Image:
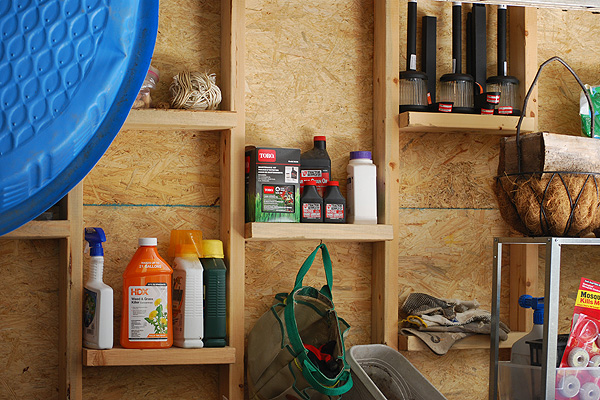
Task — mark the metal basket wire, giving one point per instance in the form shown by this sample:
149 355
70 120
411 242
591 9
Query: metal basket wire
549 203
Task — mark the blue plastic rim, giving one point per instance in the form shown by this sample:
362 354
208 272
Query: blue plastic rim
69 73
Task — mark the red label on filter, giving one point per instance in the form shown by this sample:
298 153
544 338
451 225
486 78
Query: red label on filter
267 155
505 110
269 189
334 211
311 210
493 98
445 107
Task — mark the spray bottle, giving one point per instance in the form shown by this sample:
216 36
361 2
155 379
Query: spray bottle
97 297
520 353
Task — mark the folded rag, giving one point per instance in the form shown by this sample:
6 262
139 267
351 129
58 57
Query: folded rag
442 322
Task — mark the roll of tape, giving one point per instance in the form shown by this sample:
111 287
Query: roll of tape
569 385
578 357
589 391
594 365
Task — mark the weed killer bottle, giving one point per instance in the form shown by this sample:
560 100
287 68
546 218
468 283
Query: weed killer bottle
315 165
188 302
362 188
146 319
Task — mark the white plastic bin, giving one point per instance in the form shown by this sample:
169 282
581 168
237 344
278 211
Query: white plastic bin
381 373
524 382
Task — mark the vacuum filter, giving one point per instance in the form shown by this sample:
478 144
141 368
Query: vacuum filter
413 84
508 86
457 88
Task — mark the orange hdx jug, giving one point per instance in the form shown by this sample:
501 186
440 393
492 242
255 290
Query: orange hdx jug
146 318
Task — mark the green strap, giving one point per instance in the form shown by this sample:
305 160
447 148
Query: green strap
326 290
308 370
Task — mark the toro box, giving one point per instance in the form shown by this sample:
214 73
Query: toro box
272 184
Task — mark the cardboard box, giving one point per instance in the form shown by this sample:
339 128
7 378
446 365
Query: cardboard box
272 184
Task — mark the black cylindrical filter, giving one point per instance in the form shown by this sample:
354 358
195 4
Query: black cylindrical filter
457 88
413 85
508 86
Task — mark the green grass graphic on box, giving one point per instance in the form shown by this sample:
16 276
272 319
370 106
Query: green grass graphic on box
257 214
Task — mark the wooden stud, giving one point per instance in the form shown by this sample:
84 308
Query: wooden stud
70 283
523 272
41 230
386 102
233 27
523 54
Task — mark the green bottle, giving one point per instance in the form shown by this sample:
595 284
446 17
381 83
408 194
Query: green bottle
215 302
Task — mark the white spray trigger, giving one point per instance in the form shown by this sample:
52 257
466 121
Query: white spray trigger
86 249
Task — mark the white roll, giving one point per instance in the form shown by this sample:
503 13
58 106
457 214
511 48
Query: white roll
589 391
594 365
569 385
578 357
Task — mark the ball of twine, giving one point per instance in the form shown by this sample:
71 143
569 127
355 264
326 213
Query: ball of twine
195 91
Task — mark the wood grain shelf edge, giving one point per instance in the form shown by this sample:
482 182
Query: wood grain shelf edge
173 120
56 229
413 343
119 356
262 231
463 123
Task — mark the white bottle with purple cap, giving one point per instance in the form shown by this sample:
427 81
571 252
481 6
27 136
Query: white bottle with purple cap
362 188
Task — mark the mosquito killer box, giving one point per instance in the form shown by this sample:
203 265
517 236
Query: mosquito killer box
272 184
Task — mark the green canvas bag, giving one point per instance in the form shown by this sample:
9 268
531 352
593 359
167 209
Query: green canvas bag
279 367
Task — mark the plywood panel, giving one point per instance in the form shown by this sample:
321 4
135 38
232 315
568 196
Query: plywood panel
271 268
309 72
188 39
565 34
29 314
157 167
447 170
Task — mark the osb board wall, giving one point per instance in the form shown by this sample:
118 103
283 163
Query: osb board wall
449 212
309 72
148 183
29 314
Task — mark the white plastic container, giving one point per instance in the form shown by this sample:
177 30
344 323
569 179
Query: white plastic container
188 317
362 189
97 297
520 351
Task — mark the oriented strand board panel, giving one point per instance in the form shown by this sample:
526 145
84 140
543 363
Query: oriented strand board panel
447 171
29 313
309 72
157 167
565 34
271 268
448 254
188 39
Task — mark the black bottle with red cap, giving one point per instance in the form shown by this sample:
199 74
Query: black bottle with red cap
315 164
311 203
334 204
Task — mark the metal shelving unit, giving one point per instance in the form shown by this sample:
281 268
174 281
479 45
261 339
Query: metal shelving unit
551 290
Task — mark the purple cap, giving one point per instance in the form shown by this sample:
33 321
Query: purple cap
360 154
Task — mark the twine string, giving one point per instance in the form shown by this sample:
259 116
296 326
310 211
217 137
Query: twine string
195 91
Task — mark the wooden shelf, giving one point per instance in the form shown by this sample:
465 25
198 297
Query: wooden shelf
413 343
119 356
41 230
261 231
463 123
177 120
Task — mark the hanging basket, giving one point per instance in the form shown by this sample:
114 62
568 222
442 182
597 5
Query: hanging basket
548 192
